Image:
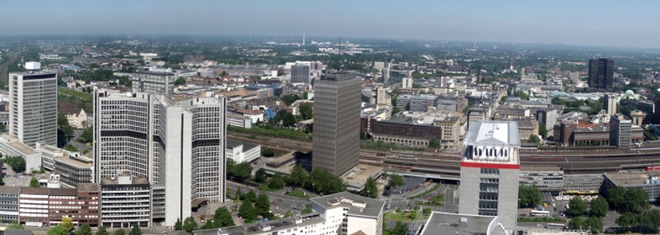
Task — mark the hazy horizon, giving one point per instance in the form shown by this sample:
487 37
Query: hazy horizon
583 23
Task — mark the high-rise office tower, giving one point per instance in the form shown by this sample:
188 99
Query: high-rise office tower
177 148
601 73
489 171
300 73
158 82
336 123
610 104
620 131
33 106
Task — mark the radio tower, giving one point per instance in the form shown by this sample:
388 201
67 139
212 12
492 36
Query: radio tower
303 39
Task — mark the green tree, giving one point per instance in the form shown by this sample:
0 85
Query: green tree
267 152
119 232
34 182
617 198
260 176
434 143
599 207
529 196
595 224
84 230
577 223
542 130
577 207
627 220
251 196
289 99
242 171
298 176
15 225
102 231
239 195
87 136
323 182
288 214
180 81
247 211
637 200
307 210
534 139
189 224
17 163
521 95
399 229
427 211
370 188
63 123
395 110
178 226
223 217
136 229
262 205
277 182
70 148
395 180
67 222
650 218
59 230
306 111
230 165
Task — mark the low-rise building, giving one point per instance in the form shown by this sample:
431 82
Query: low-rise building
9 146
48 155
47 206
238 120
125 201
9 204
242 151
450 223
348 213
402 133
649 181
341 213
77 120
74 169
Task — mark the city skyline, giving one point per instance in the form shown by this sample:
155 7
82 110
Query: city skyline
574 23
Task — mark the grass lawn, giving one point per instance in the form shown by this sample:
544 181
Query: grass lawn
264 187
298 193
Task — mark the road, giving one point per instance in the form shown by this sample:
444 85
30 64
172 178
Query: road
280 203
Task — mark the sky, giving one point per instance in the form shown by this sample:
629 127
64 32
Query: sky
584 22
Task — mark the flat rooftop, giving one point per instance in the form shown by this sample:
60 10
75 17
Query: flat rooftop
73 162
134 180
338 77
22 148
631 177
359 205
493 133
154 73
358 176
440 223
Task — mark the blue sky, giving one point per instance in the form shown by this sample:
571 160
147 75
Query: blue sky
588 22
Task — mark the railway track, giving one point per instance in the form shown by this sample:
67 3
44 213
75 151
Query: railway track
449 163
